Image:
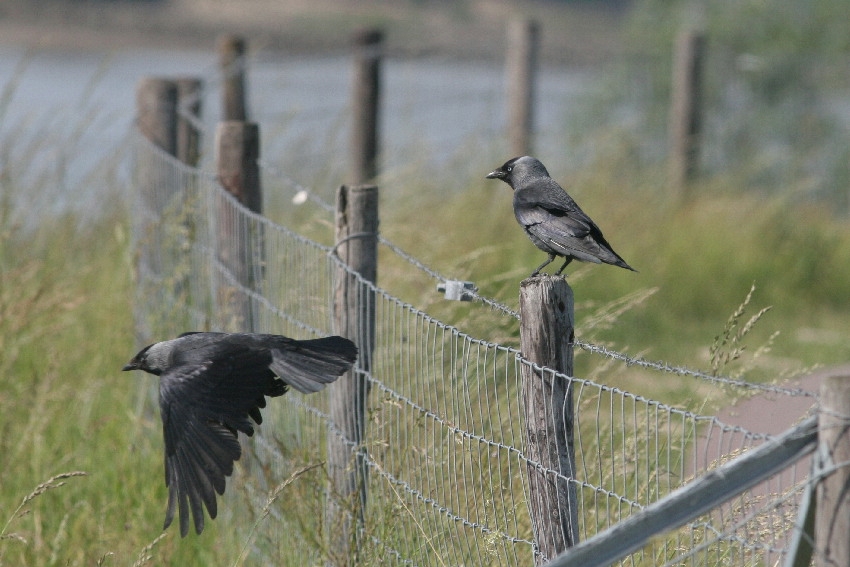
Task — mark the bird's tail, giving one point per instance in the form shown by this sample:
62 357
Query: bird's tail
308 366
607 254
622 263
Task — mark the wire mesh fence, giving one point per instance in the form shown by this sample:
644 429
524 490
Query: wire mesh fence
444 445
446 468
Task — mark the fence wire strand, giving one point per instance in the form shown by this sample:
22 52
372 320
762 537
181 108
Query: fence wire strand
444 441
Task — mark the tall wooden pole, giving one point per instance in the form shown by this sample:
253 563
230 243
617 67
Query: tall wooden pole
156 120
832 520
239 242
523 47
189 92
156 112
685 121
366 95
546 336
231 56
237 152
354 318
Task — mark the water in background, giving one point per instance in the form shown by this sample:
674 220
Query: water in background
64 115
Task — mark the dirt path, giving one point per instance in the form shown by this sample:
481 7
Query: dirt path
764 413
774 413
770 414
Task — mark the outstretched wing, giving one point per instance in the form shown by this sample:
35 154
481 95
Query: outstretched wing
203 406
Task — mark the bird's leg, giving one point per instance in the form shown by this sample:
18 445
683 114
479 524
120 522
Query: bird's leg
543 265
566 261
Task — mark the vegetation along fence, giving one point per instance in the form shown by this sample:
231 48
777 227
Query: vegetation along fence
443 448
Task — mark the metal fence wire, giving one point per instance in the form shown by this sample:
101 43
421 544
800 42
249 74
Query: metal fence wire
444 446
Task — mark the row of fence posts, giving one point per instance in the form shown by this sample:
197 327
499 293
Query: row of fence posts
546 303
521 69
167 112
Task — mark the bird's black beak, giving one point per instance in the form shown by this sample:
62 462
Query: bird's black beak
129 366
497 174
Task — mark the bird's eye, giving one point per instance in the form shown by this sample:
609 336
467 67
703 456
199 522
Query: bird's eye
508 169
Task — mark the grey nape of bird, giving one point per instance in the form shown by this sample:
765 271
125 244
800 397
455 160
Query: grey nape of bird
210 385
551 219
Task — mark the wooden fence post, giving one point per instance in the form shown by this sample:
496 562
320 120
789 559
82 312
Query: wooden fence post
523 46
156 120
189 91
239 242
546 336
354 317
156 112
685 120
231 57
366 96
832 520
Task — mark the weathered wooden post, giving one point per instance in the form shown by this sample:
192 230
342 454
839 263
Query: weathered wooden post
832 520
156 120
523 47
546 336
239 242
231 57
189 91
685 119
354 317
365 106
156 112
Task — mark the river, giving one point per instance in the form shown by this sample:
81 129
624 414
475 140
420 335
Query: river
63 114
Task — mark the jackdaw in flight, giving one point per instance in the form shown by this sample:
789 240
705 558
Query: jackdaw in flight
550 217
210 384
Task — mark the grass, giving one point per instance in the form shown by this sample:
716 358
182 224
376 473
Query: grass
698 259
64 303
697 262
66 329
53 482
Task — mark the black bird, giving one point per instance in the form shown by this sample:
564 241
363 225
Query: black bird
553 221
210 384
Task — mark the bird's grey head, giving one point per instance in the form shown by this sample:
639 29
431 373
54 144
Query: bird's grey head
518 170
153 359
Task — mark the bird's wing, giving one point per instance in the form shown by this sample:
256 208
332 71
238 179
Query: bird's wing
552 217
203 405
545 203
308 366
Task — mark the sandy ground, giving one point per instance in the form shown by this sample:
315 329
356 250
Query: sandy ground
765 413
774 413
771 414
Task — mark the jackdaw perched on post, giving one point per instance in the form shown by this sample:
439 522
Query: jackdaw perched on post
210 384
550 217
